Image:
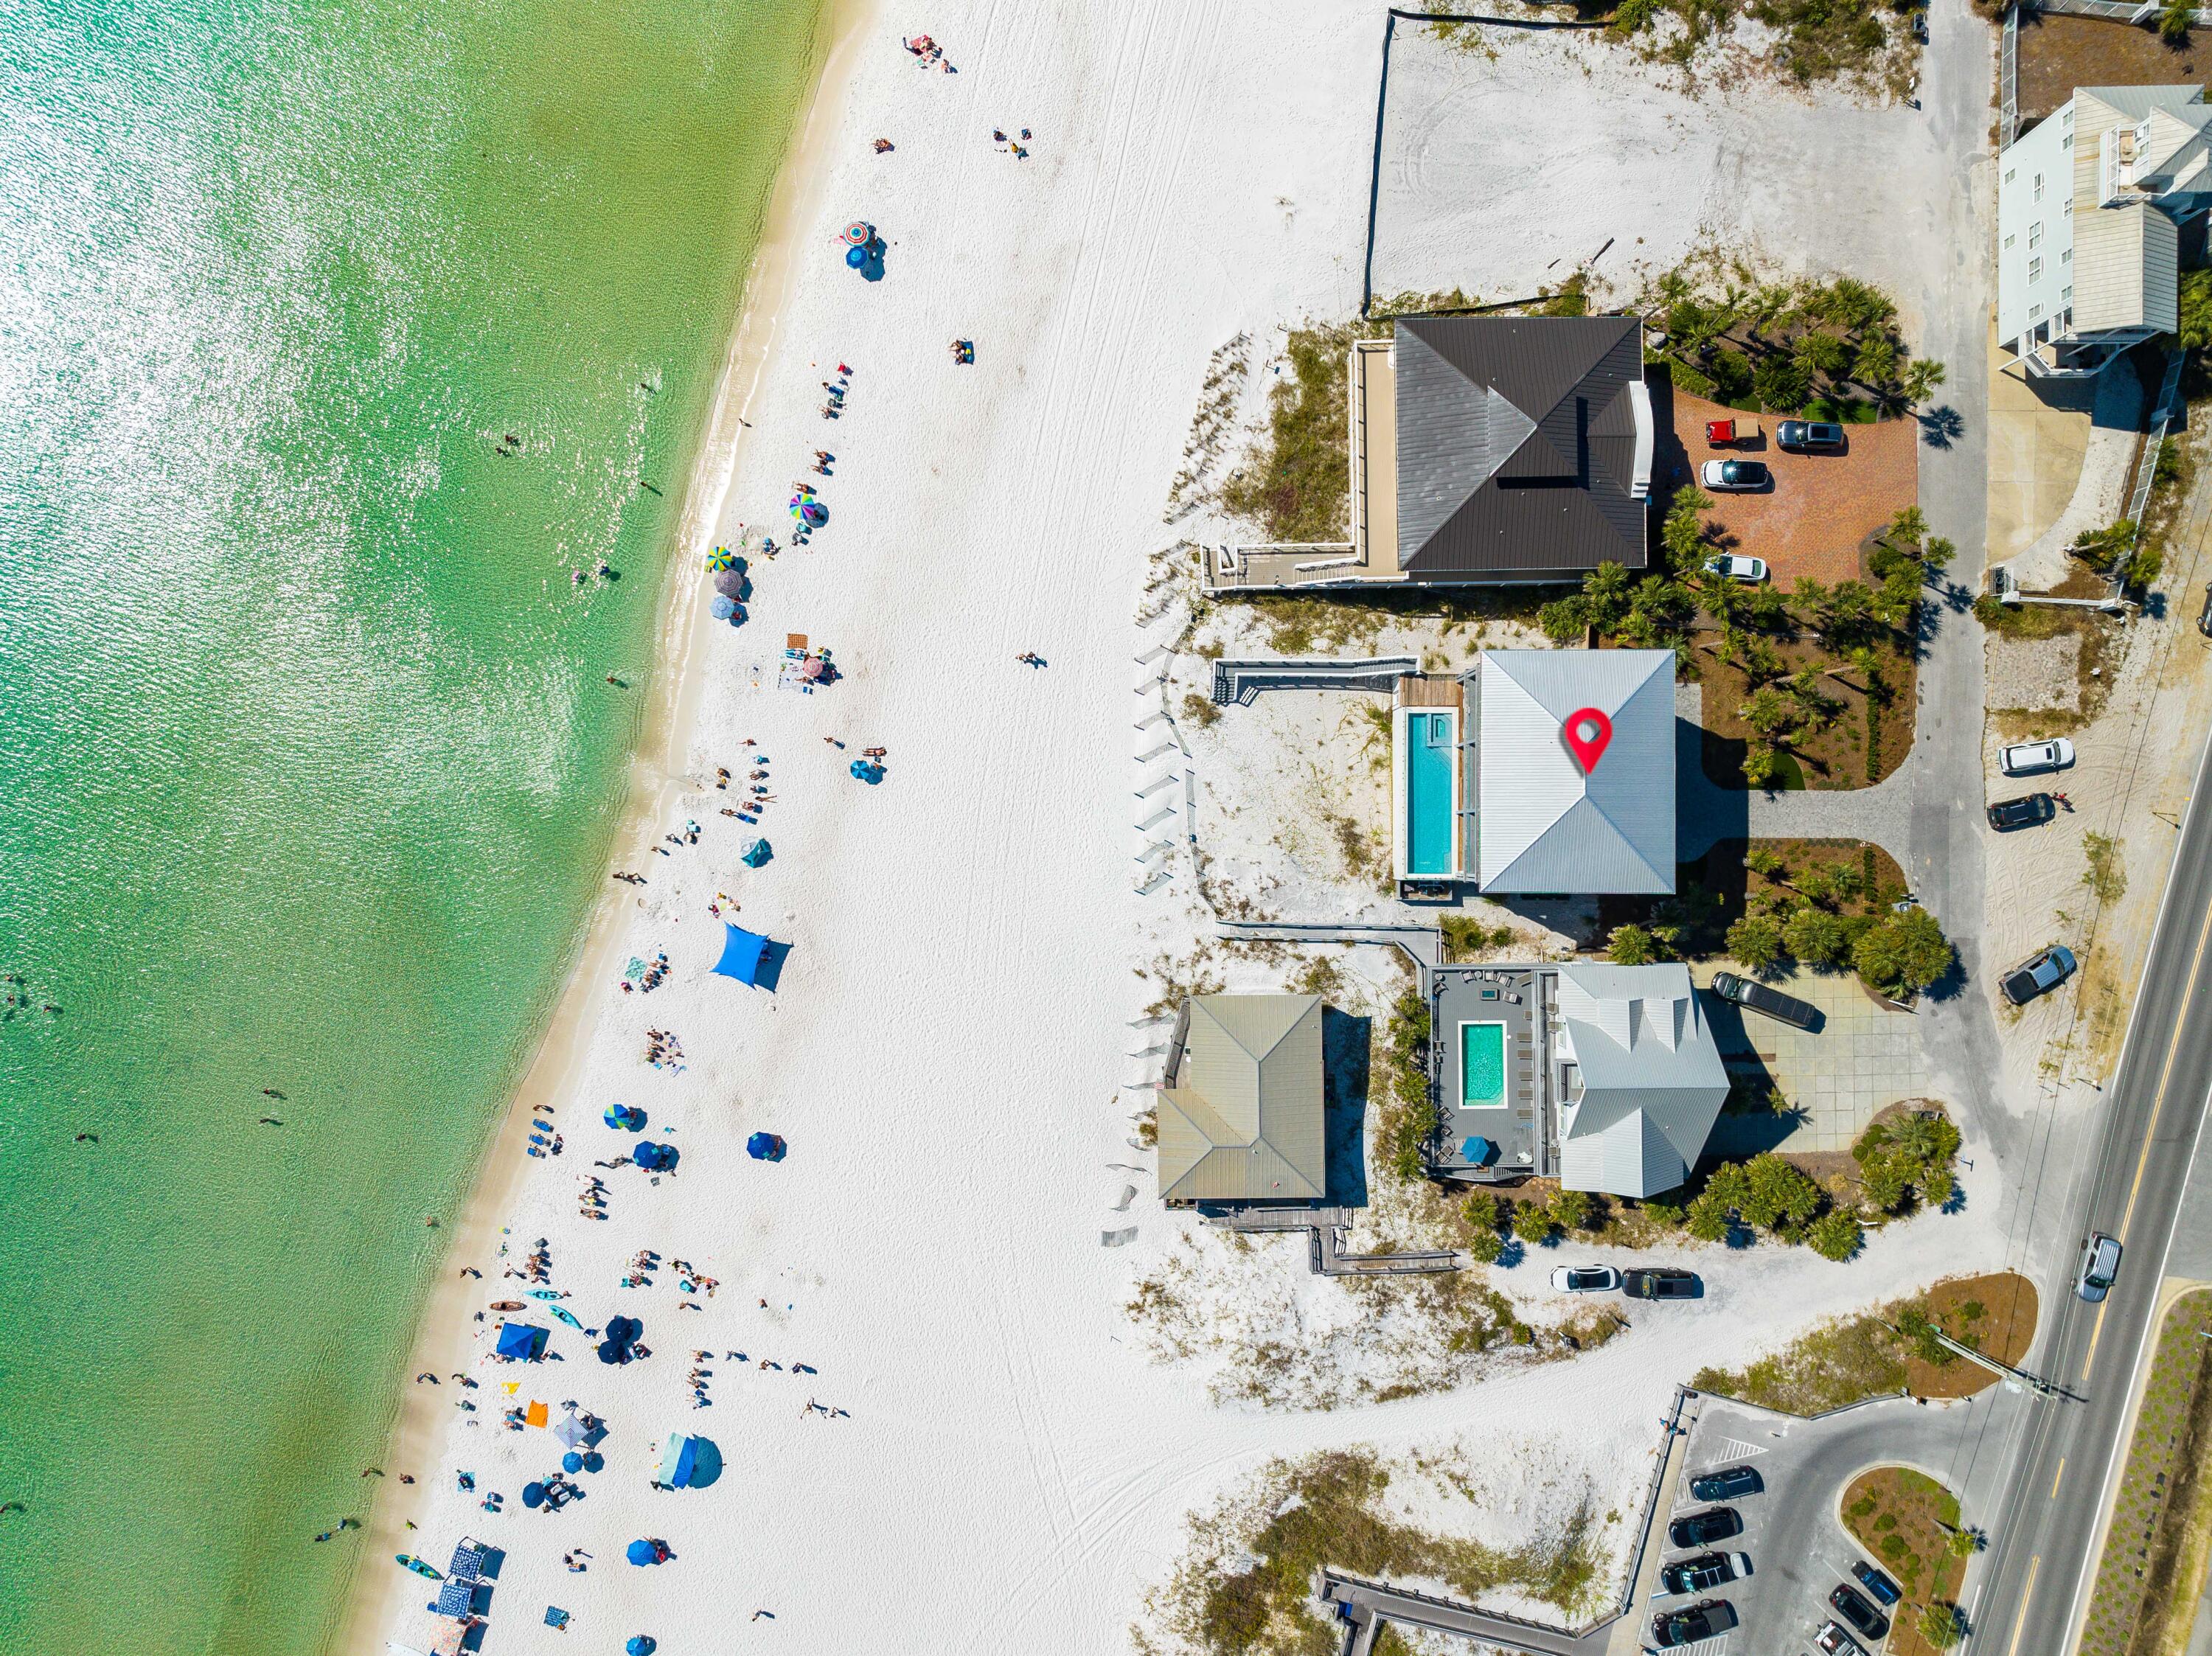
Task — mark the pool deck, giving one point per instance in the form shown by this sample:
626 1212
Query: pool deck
1516 1125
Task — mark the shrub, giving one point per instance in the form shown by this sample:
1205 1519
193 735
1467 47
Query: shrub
1630 945
1777 1193
1835 1235
1817 937
1708 1218
1941 1626
1756 941
1572 1209
1901 955
1781 383
1532 1222
1731 373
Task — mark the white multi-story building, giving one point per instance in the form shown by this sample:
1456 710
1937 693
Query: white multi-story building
2090 206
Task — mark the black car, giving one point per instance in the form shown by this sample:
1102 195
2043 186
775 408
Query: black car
1758 997
1871 1622
1687 1627
1726 1484
1814 435
2029 811
1664 1283
1883 1589
1707 1569
1703 1529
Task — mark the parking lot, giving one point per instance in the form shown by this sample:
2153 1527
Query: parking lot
1821 506
1792 1529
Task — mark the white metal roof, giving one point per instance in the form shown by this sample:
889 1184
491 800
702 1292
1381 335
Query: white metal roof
1541 825
1651 1077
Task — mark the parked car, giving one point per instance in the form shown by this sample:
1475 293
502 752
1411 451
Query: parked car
1733 566
1726 1484
2038 976
2100 1266
1701 1620
2204 616
2029 811
1707 1569
1835 1641
1880 1586
1736 477
2026 758
1814 435
1703 1529
1758 997
1664 1283
1871 1622
1585 1279
1920 25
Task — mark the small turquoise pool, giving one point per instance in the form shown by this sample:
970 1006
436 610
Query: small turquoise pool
1432 741
1481 1065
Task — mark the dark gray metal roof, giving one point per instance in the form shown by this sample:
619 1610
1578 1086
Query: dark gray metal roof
1517 445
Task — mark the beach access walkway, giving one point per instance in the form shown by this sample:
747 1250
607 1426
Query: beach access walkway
1326 1229
1424 944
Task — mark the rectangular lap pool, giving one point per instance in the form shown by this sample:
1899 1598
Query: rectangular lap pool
1481 1066
1431 745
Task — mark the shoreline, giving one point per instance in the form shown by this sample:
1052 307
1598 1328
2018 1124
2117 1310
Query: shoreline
441 1338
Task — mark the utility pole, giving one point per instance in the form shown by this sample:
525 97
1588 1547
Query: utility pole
2016 1378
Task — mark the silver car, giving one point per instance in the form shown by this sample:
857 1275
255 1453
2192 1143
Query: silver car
2100 1267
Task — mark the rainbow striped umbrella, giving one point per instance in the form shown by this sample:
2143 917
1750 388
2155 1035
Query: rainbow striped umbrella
721 558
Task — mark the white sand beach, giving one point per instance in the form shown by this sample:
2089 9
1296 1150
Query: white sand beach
1001 1465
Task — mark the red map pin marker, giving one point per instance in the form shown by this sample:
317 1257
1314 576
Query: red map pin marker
1587 732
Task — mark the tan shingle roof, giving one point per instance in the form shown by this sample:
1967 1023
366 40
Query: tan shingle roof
1244 1120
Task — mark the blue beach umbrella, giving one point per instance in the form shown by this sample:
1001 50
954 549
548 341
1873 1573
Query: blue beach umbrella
723 607
764 1147
639 1552
640 1644
594 1461
571 1462
534 1495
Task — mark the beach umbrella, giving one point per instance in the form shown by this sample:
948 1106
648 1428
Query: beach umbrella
640 1644
628 1117
764 1147
859 235
594 1461
1475 1151
639 1552
571 1462
730 584
756 853
721 558
534 1495
722 607
856 256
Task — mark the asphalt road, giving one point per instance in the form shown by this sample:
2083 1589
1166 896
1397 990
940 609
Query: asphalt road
2045 1527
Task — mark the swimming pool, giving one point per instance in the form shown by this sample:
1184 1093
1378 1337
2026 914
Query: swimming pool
1432 743
1481 1065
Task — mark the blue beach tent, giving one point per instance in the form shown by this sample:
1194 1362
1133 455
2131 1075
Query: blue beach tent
525 1341
741 954
754 855
675 1462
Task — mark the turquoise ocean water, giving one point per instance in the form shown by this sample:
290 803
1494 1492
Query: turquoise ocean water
307 762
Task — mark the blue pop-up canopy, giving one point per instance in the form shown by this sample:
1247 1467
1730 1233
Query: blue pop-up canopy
523 1340
741 954
456 1599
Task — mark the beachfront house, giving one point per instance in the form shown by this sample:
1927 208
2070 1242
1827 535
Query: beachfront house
1536 773
1485 450
2093 204
1605 1077
1240 1115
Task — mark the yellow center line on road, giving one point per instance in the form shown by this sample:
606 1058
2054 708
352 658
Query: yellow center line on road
2157 1105
2018 1626
2055 1476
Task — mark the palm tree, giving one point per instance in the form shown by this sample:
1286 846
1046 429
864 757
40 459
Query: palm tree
1921 377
